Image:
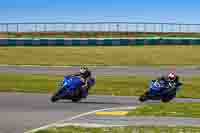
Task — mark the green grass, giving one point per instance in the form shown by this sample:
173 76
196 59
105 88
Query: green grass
128 55
168 109
108 85
129 129
105 85
14 82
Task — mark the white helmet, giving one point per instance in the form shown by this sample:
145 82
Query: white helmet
83 69
171 76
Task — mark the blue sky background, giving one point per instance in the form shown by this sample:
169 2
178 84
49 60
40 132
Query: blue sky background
180 11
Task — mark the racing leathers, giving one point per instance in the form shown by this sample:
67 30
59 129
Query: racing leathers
84 77
168 85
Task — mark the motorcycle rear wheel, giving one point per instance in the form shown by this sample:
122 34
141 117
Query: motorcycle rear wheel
77 97
168 98
75 100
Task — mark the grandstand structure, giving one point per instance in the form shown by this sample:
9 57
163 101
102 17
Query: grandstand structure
97 29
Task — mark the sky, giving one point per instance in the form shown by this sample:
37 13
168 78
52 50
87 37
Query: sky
175 11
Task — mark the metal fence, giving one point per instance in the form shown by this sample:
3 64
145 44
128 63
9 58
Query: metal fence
99 27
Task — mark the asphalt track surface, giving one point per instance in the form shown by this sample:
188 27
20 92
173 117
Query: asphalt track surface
21 112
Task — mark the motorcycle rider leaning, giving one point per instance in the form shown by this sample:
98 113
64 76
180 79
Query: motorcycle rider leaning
85 74
164 88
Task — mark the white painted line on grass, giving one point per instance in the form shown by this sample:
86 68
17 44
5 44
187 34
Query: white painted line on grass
78 116
88 125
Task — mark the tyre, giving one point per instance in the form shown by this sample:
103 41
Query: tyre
54 98
75 100
77 97
168 98
143 98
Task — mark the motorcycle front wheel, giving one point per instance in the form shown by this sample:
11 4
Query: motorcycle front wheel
54 98
143 98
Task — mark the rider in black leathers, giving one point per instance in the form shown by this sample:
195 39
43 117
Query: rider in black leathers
171 81
85 74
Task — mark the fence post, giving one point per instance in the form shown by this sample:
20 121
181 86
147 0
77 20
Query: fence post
180 30
7 28
35 28
45 27
154 27
136 27
17 27
145 28
188 28
109 28
65 28
162 27
117 27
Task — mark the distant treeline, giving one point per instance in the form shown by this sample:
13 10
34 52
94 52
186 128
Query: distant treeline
94 34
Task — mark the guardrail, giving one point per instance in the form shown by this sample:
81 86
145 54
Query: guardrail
98 41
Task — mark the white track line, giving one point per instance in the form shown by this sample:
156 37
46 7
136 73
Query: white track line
78 116
92 66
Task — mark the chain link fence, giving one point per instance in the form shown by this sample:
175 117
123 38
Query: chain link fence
99 27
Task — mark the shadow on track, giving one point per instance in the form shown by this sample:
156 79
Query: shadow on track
98 103
85 102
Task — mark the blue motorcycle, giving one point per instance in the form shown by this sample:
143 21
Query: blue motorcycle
71 89
160 91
